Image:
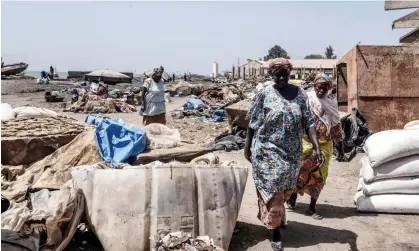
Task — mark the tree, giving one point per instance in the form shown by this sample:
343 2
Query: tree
329 53
314 56
276 52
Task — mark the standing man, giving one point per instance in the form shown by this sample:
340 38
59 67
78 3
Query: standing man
190 77
184 76
51 71
173 77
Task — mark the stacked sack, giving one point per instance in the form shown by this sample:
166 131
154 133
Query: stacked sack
389 181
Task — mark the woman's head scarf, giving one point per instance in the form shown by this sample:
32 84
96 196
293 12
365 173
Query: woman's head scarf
278 64
322 79
157 72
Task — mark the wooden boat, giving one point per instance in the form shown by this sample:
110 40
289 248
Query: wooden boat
13 69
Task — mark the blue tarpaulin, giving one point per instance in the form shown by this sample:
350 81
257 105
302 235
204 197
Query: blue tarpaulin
116 141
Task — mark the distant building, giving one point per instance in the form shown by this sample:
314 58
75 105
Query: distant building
301 68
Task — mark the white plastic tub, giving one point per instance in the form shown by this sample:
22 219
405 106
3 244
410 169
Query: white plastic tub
126 207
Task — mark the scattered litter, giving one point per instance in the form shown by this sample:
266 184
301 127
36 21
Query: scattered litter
53 97
222 96
184 241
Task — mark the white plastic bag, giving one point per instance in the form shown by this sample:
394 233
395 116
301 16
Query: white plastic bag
388 203
7 112
403 185
392 144
160 136
404 167
33 112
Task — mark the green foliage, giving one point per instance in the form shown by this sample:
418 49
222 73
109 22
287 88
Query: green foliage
330 53
276 52
314 56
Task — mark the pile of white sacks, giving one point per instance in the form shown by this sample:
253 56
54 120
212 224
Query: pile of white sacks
389 181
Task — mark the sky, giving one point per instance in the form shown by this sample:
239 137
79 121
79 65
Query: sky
184 36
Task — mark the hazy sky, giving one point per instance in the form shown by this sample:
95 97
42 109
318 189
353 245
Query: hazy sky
184 35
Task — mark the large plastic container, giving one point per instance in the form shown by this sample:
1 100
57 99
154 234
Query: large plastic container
126 207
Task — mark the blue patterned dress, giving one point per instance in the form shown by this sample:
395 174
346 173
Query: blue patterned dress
277 145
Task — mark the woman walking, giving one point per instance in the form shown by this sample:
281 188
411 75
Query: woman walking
312 177
277 115
154 107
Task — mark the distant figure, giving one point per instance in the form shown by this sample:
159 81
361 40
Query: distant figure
173 77
184 76
190 77
51 71
154 107
2 63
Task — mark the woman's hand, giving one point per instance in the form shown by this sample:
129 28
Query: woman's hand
247 153
317 154
249 138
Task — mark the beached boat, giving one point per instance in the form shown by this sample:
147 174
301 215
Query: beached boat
13 69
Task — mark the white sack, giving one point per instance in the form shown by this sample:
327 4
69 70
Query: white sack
160 136
7 112
360 184
403 167
392 144
388 203
412 124
404 185
33 112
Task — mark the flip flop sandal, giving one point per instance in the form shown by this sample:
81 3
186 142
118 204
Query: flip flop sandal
277 246
314 215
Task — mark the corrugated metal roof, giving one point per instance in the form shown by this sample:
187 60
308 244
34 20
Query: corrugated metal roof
313 63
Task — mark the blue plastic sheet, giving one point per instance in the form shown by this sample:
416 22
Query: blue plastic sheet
116 141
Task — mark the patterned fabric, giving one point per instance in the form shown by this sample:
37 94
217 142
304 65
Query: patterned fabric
312 177
272 214
279 64
276 145
325 109
155 103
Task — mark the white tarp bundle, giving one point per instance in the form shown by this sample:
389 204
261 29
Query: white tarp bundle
33 112
160 136
7 112
389 181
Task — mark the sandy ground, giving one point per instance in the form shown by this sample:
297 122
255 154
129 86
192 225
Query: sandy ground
342 228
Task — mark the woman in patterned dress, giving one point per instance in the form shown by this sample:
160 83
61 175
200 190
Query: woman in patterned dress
324 109
277 115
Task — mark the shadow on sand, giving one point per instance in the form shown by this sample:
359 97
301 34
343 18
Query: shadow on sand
330 211
296 235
